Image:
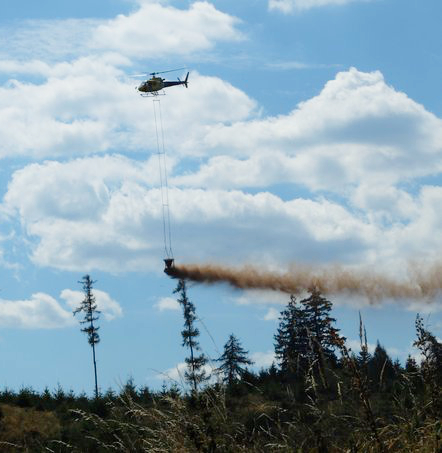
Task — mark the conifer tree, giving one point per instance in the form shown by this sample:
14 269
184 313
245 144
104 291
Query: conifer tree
364 356
195 373
380 368
320 324
89 307
233 357
411 365
292 346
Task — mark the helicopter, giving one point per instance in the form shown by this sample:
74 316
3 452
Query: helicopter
154 85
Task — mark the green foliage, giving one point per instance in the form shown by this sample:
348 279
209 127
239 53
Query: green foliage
320 324
292 343
357 403
195 373
381 371
89 307
305 337
231 360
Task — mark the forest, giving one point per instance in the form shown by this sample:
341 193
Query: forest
318 396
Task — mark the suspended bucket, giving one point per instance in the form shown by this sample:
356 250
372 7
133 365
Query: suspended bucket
169 262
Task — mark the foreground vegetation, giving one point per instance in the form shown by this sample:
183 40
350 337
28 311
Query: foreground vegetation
318 397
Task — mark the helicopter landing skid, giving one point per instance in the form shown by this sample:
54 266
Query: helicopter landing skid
153 94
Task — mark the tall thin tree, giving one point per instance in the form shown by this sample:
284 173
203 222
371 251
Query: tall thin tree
89 307
195 373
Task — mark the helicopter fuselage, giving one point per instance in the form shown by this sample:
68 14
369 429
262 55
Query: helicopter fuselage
151 85
156 84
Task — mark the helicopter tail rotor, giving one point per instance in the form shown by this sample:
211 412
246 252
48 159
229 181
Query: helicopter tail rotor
184 82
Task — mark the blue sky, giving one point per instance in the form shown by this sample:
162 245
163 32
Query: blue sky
310 133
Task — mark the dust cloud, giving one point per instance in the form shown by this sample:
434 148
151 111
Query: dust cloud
422 282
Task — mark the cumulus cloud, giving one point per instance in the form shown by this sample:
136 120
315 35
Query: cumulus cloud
35 67
358 138
254 297
89 106
272 314
156 30
41 311
153 30
60 101
167 304
177 373
288 6
263 359
358 130
109 308
115 224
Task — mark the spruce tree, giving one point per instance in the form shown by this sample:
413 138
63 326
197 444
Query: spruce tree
320 324
231 360
292 346
195 373
380 368
89 307
411 365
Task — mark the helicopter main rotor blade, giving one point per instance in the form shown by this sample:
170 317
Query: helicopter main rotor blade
165 72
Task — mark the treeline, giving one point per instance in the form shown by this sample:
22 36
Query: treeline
318 396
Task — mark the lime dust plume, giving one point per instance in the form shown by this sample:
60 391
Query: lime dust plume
422 282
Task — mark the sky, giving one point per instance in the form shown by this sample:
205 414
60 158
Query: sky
310 133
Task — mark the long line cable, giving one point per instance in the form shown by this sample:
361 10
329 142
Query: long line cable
162 166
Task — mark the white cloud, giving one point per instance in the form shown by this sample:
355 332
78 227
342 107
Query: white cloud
357 132
109 308
355 346
358 138
41 311
87 186
288 6
107 222
261 297
428 307
297 65
176 374
153 31
35 67
4 262
272 314
47 40
167 303
89 106
156 30
263 359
